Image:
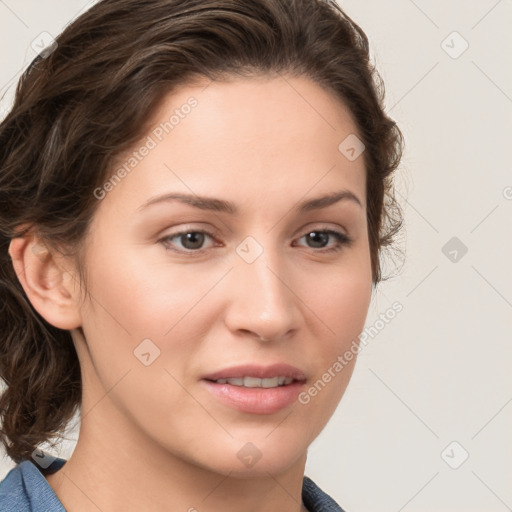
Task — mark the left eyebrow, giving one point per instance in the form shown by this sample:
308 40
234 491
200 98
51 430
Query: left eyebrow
328 200
223 206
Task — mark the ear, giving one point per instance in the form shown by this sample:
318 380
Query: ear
51 288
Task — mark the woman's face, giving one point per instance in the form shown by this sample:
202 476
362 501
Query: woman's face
254 284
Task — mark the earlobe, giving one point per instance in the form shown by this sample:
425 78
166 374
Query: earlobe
48 285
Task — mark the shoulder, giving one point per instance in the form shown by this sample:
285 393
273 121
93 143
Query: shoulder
25 489
317 500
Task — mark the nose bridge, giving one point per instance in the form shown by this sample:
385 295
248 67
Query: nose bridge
263 302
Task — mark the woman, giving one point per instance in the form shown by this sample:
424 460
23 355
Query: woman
194 198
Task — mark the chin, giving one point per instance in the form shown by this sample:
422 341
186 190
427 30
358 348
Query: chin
253 459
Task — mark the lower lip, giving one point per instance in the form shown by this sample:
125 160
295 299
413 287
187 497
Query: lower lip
255 400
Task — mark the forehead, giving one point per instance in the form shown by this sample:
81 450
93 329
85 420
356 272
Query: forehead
263 138
265 111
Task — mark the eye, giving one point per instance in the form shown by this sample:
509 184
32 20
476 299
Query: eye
191 241
320 238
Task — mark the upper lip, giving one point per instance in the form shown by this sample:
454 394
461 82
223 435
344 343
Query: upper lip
261 372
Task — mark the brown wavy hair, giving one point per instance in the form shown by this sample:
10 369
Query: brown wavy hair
79 107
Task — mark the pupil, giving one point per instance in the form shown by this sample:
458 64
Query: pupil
318 237
192 240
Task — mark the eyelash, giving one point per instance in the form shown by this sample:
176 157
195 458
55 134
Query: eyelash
343 240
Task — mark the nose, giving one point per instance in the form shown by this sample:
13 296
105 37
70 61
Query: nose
262 299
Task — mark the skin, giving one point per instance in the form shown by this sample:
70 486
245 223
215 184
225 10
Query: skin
152 437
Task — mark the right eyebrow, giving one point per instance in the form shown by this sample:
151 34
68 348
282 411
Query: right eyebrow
223 206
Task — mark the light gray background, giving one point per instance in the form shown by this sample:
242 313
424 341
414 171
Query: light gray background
440 371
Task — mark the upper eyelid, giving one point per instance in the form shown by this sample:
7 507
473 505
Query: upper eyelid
213 235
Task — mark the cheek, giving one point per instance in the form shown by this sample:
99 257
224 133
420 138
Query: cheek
147 296
341 301
341 298
137 297
349 306
134 301
343 309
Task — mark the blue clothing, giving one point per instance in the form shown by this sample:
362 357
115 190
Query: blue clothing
25 489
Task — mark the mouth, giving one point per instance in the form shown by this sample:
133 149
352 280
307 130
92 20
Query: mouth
255 382
256 389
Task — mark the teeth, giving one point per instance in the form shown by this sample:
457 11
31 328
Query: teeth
269 383
255 382
236 381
